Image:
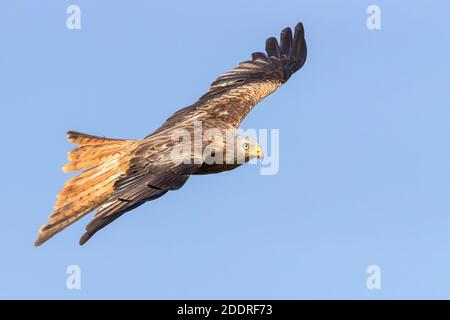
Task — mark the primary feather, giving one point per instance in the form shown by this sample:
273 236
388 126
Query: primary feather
119 175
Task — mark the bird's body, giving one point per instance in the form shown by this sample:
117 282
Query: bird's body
120 175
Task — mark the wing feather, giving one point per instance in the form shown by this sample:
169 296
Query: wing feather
146 179
231 96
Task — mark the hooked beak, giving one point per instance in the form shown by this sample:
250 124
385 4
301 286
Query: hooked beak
260 154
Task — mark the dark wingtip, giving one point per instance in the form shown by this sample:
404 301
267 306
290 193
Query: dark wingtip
286 42
272 47
84 238
286 30
299 50
299 28
259 56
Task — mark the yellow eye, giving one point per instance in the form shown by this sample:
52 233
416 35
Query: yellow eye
246 146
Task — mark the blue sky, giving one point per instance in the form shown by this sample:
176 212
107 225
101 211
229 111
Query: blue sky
364 142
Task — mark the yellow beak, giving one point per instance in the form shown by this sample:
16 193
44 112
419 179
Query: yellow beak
259 153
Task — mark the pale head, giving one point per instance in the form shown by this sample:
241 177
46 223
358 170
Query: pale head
247 149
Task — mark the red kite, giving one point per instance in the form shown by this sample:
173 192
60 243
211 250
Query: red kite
119 175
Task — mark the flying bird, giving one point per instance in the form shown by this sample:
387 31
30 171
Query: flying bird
118 175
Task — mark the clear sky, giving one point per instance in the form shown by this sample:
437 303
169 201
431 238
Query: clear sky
364 150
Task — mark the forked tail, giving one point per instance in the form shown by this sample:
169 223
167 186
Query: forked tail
103 161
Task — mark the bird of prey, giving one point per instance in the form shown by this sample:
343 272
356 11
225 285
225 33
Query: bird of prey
118 175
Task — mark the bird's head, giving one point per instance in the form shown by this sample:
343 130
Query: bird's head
247 149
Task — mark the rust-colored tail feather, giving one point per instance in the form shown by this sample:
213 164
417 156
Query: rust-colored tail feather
103 160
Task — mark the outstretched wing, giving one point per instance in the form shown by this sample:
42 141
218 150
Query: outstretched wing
122 201
231 97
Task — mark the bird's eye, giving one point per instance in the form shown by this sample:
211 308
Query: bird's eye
245 146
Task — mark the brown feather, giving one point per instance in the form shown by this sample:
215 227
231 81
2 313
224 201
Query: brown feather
120 175
233 95
105 161
86 139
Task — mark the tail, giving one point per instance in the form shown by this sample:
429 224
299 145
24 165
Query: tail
103 161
